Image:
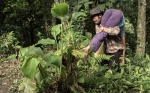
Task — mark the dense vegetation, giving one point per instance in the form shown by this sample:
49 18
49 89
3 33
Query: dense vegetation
47 36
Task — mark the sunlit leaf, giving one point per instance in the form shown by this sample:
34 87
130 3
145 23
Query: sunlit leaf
60 10
34 51
29 67
56 30
23 51
46 41
11 57
81 79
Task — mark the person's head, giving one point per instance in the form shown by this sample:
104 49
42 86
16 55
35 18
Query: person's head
96 15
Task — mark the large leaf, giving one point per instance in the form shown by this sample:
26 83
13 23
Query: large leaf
60 10
12 57
29 67
34 51
23 51
81 79
43 71
39 80
56 30
46 41
52 59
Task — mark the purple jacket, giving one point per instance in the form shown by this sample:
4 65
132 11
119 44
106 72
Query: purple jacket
111 18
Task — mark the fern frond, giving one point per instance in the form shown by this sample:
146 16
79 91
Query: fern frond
101 57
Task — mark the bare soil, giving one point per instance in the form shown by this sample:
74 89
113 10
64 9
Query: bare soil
9 76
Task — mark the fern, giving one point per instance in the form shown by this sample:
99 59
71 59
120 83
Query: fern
7 41
102 57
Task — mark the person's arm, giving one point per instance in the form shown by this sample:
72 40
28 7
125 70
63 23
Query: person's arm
124 50
110 31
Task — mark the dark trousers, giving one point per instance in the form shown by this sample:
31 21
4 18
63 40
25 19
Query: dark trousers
115 58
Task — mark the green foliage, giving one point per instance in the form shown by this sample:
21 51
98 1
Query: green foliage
36 65
46 41
29 67
78 53
60 10
8 41
53 59
79 5
27 85
102 57
76 15
62 67
56 30
31 63
131 77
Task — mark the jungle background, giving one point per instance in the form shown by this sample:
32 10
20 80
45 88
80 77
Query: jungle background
42 41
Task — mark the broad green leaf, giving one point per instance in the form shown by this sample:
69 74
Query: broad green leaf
29 67
38 79
56 30
11 57
60 10
46 41
81 79
43 71
52 59
34 51
23 51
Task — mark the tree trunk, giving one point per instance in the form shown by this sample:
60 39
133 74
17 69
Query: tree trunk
45 18
141 27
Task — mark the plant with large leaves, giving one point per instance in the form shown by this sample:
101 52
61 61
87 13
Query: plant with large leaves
68 46
56 66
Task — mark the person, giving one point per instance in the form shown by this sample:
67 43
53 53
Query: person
109 27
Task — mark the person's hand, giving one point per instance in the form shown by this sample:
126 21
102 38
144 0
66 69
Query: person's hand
86 49
101 28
